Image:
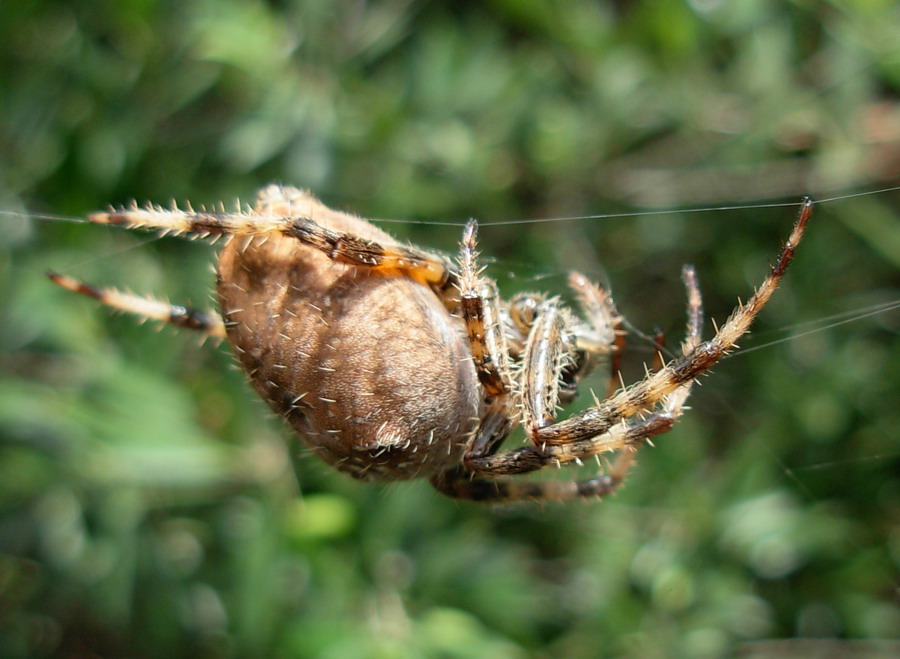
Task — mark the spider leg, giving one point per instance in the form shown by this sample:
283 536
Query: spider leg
298 222
459 484
549 351
574 435
600 334
480 309
206 322
629 436
559 351
606 333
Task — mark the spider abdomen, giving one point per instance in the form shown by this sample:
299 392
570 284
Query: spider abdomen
369 368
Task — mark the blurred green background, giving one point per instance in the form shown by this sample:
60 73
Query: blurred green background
150 505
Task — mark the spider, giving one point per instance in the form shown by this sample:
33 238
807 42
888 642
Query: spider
395 363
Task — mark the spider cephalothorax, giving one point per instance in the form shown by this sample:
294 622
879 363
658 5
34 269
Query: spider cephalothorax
395 363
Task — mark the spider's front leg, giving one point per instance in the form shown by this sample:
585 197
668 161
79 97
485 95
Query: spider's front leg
581 433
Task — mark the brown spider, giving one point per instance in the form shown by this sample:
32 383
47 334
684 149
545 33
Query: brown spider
394 363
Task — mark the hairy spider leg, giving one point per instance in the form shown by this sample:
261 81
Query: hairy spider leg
480 310
459 484
674 403
599 334
607 325
574 436
418 265
549 351
479 306
622 434
206 322
459 487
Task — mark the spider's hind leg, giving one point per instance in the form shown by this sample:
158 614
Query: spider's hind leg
206 322
291 213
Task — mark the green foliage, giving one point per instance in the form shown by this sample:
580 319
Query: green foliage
148 504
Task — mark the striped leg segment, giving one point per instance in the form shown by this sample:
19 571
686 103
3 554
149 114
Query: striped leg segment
480 310
206 322
346 248
479 306
342 247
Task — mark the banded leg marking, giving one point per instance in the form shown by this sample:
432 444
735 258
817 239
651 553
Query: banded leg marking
480 309
147 308
417 264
